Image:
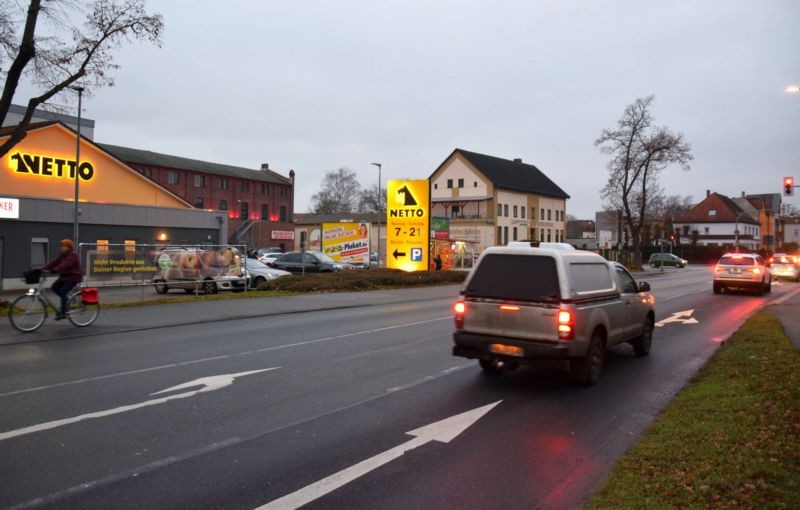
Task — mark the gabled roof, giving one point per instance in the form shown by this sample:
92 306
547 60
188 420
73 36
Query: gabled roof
766 201
142 157
513 175
725 211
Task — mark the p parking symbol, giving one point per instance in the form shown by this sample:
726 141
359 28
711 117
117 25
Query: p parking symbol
416 254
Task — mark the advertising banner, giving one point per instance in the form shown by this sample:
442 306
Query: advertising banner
440 228
407 225
346 242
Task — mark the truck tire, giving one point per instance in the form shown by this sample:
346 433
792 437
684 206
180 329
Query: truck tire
587 369
641 345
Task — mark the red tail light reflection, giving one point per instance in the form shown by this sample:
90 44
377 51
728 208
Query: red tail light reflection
460 308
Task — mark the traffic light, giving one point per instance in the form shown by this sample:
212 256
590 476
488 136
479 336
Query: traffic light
788 186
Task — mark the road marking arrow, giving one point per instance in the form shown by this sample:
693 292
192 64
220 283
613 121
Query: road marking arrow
443 431
398 253
206 384
684 317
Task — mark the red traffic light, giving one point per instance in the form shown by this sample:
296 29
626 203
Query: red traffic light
788 186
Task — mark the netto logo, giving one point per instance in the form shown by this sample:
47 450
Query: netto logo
51 167
406 199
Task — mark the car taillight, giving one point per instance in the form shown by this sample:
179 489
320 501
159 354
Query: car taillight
566 325
756 270
460 308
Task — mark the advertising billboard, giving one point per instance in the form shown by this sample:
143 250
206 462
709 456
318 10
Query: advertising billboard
346 242
407 225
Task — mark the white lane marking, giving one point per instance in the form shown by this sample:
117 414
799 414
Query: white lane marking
443 431
428 378
224 356
684 317
784 298
206 384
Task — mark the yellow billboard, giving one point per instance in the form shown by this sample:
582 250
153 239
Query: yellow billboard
407 225
346 242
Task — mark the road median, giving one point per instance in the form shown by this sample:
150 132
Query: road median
730 439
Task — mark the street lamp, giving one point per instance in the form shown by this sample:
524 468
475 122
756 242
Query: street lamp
736 231
79 90
793 89
380 211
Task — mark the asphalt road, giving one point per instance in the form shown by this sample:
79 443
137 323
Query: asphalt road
294 391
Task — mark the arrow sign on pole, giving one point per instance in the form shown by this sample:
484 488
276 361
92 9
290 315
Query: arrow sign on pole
206 384
398 253
684 317
443 431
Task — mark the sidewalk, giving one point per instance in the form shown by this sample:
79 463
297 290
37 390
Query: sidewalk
787 310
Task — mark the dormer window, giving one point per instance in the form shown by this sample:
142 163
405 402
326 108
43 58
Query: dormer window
712 212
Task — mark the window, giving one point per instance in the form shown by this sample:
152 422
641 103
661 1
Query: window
449 183
198 202
505 235
533 213
173 177
628 284
588 277
283 213
499 235
264 211
199 181
533 234
435 185
284 191
40 247
505 210
245 186
264 189
549 216
461 183
515 211
475 184
223 183
223 205
147 172
712 212
499 210
499 278
102 249
244 210
514 233
130 248
522 210
541 234
454 212
549 235
541 214
705 230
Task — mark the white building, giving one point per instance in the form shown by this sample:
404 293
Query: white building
719 221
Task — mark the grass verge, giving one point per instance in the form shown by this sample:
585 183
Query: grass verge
731 439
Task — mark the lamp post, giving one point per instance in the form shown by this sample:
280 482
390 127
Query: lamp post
736 230
79 90
380 212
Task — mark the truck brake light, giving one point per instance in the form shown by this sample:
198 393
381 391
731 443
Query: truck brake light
460 308
566 325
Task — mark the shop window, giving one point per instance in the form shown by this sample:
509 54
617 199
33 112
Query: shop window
173 177
244 210
461 183
223 183
40 247
130 248
516 211
283 214
199 181
198 202
449 183
454 212
264 211
223 205
102 249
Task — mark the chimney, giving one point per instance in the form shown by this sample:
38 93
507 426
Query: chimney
708 193
518 161
291 176
264 167
743 194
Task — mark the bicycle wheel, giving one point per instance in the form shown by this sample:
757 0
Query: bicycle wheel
82 314
27 313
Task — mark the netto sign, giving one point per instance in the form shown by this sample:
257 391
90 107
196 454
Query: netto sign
34 164
407 225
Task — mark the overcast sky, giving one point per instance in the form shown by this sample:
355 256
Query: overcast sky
314 86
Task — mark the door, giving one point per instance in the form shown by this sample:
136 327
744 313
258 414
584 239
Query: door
291 262
634 310
310 263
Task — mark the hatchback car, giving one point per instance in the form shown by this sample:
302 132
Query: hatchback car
783 265
742 271
667 259
260 273
308 262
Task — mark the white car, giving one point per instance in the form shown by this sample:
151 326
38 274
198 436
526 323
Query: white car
742 271
260 272
783 265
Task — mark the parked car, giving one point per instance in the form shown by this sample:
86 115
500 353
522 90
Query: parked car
742 271
195 269
259 272
267 255
783 265
667 259
523 304
308 262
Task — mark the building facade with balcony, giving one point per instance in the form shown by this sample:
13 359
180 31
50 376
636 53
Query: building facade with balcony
491 201
259 204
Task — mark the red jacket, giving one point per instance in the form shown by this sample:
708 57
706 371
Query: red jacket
67 265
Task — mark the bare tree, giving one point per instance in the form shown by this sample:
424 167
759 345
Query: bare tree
372 200
64 54
340 193
639 152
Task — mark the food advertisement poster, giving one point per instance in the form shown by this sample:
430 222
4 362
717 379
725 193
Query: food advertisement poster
346 242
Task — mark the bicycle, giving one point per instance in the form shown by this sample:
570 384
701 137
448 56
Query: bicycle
28 312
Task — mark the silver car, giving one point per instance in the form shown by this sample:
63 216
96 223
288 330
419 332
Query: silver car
742 271
783 265
522 304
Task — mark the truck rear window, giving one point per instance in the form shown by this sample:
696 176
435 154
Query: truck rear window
515 277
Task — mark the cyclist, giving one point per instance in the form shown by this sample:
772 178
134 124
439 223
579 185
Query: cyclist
68 267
